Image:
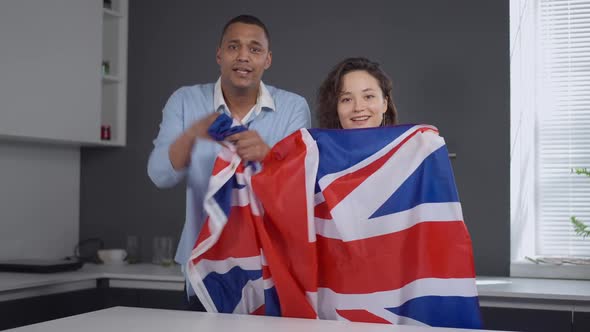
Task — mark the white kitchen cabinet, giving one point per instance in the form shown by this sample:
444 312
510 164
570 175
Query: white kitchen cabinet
52 85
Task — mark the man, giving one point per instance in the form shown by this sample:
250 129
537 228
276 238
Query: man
182 148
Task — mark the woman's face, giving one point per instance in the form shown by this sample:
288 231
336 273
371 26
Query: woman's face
361 103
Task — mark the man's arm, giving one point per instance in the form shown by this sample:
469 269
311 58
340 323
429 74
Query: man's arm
160 169
180 151
172 147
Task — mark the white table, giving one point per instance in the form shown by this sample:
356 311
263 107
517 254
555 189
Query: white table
126 319
501 292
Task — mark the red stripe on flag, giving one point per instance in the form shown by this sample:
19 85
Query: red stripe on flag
283 233
219 166
265 272
361 316
259 312
236 239
344 185
387 262
205 233
322 211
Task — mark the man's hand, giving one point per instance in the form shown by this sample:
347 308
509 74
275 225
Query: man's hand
199 128
180 151
249 145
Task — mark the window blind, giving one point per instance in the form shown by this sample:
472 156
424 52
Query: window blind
562 125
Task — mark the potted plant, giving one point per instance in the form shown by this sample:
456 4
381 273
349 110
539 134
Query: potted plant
580 227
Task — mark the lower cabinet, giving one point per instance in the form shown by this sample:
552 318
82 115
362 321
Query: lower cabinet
581 321
15 313
162 299
145 298
512 319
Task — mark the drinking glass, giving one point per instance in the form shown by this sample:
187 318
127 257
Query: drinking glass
163 250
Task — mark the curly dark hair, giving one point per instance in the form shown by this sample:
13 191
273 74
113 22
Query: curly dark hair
327 98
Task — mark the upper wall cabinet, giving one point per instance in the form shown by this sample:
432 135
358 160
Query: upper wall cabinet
114 72
63 71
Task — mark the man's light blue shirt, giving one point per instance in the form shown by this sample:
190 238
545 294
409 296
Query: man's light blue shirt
276 114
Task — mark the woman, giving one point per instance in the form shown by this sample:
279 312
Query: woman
356 94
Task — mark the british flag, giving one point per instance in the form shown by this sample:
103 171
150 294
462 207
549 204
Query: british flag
359 225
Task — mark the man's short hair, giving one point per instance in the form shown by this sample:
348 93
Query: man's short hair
246 19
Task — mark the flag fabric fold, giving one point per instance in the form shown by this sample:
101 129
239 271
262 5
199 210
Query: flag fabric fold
359 225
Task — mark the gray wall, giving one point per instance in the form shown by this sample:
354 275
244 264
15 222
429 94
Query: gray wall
39 193
450 65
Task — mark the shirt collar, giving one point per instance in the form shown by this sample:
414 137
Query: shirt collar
264 99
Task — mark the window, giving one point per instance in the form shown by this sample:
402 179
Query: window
550 127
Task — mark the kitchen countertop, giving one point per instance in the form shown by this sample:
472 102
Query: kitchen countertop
146 272
531 288
23 285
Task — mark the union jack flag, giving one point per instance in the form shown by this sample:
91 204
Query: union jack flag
359 225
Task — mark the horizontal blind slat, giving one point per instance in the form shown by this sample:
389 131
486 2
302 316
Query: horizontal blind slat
563 125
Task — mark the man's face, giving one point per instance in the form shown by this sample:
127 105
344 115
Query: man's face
243 56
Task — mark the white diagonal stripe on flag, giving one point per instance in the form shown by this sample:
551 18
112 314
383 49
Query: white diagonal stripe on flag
327 179
329 300
391 223
355 209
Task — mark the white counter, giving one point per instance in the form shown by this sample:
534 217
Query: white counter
22 285
528 288
529 293
147 320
